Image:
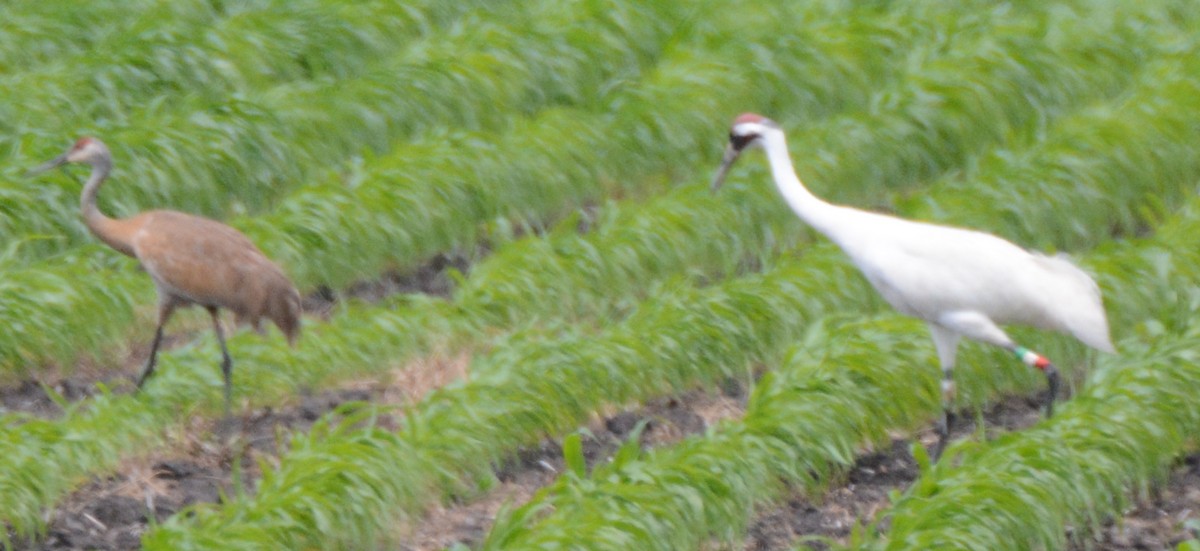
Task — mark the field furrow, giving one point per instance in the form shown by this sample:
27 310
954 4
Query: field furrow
350 242
679 497
654 507
555 408
556 153
365 355
373 344
434 196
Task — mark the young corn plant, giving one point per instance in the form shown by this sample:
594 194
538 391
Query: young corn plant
297 238
1118 166
450 441
679 497
295 476
81 299
40 32
201 367
845 386
195 152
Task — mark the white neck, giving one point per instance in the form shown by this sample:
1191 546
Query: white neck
824 217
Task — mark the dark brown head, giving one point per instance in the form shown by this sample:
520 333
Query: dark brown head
747 131
87 150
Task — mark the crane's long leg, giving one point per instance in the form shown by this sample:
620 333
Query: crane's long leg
226 361
1038 361
166 307
977 326
946 342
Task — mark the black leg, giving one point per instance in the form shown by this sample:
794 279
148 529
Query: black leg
226 360
943 431
1038 361
1053 380
149 369
166 307
947 422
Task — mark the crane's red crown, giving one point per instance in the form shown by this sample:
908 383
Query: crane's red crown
83 142
748 117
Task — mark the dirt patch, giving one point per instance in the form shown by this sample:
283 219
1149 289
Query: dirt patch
857 500
431 278
668 420
84 380
407 384
112 512
1169 517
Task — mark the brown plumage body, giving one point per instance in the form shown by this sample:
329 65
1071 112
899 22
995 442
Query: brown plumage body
192 260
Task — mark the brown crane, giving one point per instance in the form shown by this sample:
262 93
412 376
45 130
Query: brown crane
192 260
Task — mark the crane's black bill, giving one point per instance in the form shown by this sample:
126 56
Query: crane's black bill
48 165
731 154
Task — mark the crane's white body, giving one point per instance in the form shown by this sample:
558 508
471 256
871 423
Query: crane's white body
964 283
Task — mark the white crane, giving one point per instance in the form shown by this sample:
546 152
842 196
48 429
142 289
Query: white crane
963 283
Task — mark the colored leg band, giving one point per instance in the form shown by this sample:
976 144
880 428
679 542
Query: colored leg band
1031 358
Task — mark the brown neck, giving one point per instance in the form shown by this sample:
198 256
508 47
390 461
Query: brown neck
107 229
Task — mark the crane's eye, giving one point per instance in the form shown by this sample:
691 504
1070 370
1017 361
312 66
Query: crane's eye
740 142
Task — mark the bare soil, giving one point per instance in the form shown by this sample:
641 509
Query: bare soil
855 502
203 462
198 466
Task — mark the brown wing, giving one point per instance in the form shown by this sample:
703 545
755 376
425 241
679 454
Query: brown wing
205 262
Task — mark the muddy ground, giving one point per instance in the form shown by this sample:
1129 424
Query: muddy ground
112 512
198 466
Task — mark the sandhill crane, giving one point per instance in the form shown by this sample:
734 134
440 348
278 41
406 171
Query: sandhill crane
192 260
962 283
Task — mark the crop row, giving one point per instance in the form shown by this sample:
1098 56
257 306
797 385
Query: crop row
305 463
175 146
842 387
190 48
54 452
339 232
301 479
853 385
650 502
433 196
1114 440
635 504
513 398
39 32
195 153
370 347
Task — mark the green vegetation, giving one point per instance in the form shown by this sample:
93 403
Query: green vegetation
564 148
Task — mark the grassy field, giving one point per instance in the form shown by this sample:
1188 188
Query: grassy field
530 324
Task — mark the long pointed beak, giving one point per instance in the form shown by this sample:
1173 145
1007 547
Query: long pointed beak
48 165
731 155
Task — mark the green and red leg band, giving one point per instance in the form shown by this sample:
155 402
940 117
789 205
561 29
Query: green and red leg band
1031 358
